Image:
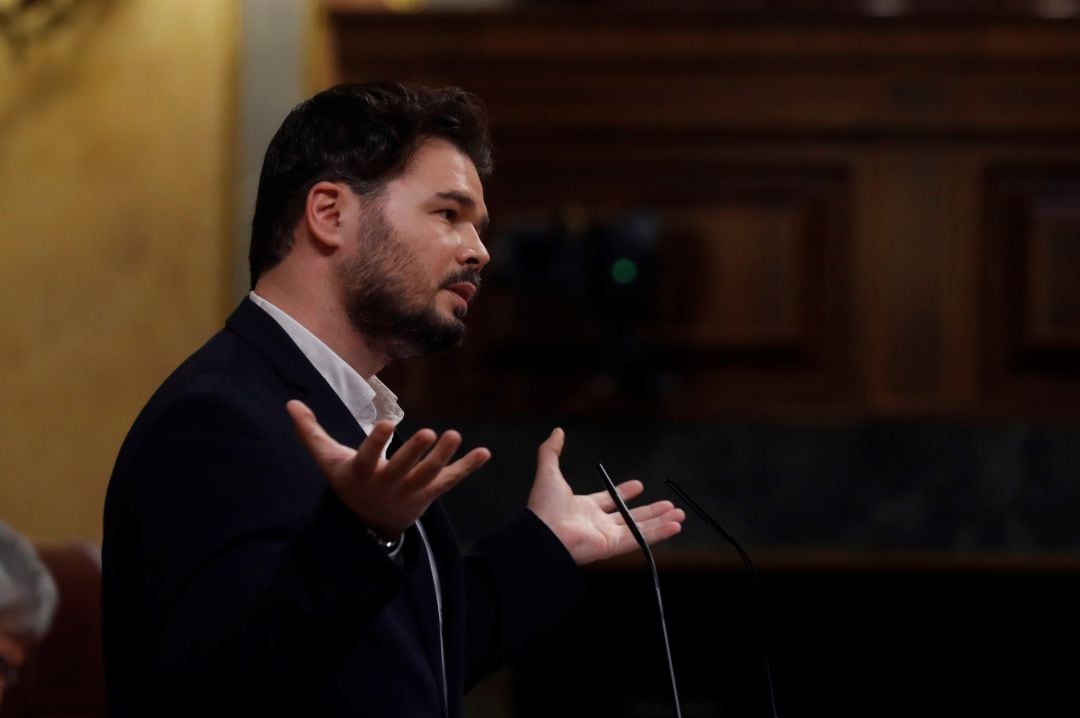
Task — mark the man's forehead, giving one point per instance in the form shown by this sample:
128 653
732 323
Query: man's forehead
443 161
438 169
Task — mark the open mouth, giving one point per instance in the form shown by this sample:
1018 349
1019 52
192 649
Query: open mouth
465 290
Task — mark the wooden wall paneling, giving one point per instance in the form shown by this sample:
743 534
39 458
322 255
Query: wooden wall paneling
963 258
1031 317
748 237
565 68
820 182
749 303
754 265
737 277
910 229
1052 259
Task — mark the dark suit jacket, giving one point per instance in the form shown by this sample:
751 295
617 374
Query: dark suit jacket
236 582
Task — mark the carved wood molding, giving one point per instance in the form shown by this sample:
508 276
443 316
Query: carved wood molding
820 184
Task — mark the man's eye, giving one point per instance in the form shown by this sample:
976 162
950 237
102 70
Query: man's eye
449 214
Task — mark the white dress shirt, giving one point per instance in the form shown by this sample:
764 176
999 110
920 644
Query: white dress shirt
369 401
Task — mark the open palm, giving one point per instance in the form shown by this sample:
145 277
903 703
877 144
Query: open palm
588 525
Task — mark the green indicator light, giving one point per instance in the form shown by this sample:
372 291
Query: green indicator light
624 271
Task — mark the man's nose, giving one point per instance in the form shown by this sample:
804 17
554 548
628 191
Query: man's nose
473 253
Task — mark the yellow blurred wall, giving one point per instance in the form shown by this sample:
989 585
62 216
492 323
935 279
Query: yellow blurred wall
115 195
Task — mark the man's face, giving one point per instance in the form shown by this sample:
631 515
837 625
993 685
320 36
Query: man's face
417 262
12 657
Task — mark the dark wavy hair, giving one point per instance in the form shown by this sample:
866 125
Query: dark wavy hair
363 135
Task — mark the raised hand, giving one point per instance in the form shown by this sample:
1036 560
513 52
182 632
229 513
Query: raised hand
588 525
387 495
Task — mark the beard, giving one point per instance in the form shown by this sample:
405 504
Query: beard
389 301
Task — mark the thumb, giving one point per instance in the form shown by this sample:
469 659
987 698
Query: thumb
326 452
547 456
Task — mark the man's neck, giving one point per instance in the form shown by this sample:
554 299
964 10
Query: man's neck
323 317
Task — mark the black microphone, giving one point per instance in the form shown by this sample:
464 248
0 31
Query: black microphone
753 573
632 525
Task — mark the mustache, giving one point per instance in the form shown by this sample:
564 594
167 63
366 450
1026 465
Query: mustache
462 275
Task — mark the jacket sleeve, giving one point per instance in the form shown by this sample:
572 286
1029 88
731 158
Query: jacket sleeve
253 586
520 583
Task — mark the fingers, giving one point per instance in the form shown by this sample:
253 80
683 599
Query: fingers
302 417
371 449
662 526
627 490
644 513
388 495
326 452
547 456
656 522
661 531
455 472
410 452
421 458
430 466
422 461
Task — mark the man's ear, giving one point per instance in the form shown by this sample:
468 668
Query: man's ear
327 207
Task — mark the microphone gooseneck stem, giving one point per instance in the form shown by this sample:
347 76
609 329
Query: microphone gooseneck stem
753 575
667 645
636 532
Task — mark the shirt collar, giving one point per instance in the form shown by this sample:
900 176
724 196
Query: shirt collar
368 401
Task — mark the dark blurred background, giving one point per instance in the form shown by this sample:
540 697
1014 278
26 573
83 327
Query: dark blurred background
817 261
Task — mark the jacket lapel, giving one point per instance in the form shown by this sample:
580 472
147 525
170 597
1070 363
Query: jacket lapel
265 335
261 331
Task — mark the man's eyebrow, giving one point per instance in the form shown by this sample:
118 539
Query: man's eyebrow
465 201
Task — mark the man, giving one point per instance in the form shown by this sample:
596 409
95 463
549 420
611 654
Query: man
28 599
254 562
